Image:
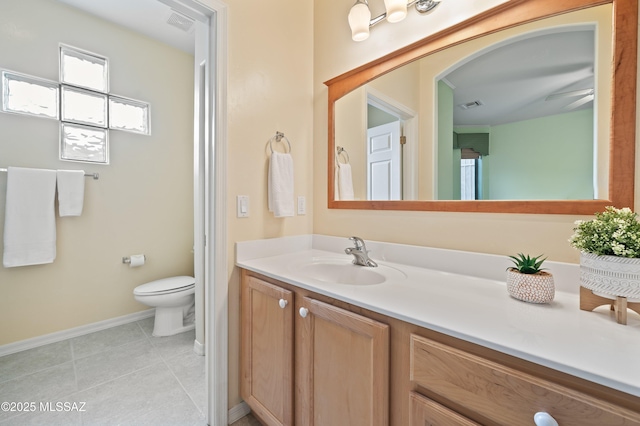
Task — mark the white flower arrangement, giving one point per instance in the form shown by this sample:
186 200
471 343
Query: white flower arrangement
614 232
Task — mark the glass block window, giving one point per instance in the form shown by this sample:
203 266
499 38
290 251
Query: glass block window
84 107
84 143
84 69
127 114
24 94
82 103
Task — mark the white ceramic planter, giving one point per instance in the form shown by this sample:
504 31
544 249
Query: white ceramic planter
610 275
532 288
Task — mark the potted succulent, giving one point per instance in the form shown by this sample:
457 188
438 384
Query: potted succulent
610 253
529 282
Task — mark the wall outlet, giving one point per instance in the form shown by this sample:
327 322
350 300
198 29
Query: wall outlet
302 205
243 205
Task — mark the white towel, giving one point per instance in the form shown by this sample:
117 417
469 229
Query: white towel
70 192
345 182
280 185
30 219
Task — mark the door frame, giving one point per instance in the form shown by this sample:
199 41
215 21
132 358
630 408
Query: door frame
210 218
409 125
215 222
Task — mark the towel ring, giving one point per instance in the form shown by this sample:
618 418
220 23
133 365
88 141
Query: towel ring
341 150
278 137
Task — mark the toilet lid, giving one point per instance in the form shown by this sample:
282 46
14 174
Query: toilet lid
165 285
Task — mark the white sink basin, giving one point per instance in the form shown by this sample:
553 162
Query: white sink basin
338 271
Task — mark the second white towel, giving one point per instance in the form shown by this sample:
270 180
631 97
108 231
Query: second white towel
345 182
280 185
70 192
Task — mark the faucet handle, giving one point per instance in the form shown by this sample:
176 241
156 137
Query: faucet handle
359 243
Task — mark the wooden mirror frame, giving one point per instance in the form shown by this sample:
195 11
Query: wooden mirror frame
508 15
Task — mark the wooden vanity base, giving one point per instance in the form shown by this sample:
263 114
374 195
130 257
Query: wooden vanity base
589 301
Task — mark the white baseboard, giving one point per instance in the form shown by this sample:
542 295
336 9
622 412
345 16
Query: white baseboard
58 336
198 348
238 412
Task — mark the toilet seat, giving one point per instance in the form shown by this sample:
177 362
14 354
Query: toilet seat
165 286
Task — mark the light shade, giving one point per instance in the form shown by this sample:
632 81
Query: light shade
359 18
396 10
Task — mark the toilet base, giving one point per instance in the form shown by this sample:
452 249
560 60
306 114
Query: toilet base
170 321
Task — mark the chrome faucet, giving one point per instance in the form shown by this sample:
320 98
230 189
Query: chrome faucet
360 253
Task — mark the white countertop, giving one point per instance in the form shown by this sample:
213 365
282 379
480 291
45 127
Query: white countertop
464 295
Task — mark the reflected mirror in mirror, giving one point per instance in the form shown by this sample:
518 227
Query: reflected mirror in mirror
521 114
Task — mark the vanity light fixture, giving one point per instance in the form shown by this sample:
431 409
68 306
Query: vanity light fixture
395 11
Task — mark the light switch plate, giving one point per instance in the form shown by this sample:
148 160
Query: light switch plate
302 205
243 205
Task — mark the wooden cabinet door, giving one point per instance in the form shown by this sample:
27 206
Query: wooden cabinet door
425 412
342 367
267 350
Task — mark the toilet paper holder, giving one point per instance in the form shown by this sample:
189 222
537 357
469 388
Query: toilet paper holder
127 259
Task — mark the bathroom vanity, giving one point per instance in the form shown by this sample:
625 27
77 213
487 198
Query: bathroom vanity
434 339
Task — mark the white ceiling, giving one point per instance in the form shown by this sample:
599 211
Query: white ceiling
148 17
513 80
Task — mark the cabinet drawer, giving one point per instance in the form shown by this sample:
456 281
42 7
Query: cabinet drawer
504 395
427 412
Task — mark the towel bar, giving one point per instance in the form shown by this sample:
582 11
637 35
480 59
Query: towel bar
95 176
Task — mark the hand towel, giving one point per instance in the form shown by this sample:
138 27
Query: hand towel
345 182
280 185
70 192
30 219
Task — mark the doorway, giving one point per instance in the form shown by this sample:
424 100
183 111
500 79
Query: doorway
384 166
391 171
210 241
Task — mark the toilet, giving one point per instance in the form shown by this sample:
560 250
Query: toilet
173 299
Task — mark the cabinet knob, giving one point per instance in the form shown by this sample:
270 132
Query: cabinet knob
282 303
304 312
544 419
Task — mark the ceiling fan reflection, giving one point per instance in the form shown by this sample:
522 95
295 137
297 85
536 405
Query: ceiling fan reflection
586 95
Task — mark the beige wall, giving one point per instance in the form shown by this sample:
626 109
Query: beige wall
143 202
351 126
270 88
335 53
351 134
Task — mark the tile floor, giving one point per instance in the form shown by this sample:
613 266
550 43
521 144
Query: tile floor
247 420
118 376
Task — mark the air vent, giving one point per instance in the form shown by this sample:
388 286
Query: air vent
470 105
180 21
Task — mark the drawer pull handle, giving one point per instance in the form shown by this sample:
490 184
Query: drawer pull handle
304 312
544 419
282 303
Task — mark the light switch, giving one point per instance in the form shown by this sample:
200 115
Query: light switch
302 205
243 205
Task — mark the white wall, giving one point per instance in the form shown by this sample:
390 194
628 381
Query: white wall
143 202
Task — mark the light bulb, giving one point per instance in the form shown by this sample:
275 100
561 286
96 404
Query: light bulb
396 10
359 18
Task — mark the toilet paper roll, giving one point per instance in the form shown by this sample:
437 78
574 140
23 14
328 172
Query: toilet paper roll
136 260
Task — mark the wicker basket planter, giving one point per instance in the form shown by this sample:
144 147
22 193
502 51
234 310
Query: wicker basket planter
610 276
532 288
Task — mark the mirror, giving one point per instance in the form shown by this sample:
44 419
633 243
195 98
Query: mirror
587 161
